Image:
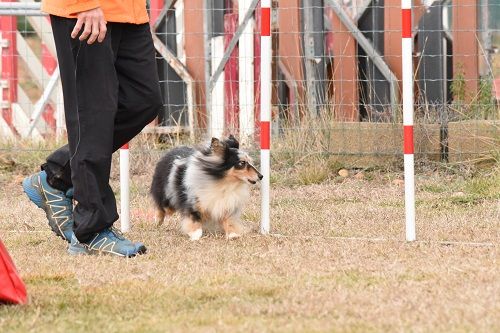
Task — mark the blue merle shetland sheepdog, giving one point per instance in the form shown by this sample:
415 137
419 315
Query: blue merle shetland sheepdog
206 185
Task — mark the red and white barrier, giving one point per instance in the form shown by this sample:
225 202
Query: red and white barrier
18 116
8 68
265 113
409 161
125 188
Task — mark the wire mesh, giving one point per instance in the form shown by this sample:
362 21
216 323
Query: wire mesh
336 77
336 98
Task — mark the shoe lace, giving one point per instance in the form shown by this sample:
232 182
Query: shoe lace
66 203
117 233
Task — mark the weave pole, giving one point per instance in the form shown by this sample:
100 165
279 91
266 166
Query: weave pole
265 113
125 188
409 160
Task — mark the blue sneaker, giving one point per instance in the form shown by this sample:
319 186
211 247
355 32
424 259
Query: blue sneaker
58 205
108 241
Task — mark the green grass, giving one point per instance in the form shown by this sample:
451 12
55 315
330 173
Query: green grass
471 191
59 304
434 188
487 187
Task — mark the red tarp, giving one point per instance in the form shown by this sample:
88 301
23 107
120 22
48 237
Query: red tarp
12 289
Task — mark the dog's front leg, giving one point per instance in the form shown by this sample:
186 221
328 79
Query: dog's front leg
160 216
192 228
161 213
232 227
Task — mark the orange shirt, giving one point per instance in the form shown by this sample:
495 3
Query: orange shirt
124 11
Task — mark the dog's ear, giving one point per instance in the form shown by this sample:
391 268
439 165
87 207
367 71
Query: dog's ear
232 142
217 146
214 142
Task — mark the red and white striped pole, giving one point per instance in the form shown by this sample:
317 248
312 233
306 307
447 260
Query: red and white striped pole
124 188
409 160
265 113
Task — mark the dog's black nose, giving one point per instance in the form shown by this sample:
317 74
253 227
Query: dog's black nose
260 177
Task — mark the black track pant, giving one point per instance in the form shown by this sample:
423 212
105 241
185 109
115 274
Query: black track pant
111 92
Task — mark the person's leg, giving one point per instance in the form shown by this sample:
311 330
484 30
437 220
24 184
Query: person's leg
93 85
58 169
53 194
139 101
139 98
90 88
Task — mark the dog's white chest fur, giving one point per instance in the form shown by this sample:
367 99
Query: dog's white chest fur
218 199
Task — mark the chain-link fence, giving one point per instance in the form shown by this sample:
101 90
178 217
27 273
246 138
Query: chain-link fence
336 76
335 257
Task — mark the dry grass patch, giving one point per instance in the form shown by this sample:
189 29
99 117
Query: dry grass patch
313 275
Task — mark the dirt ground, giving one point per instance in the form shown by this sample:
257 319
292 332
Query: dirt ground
336 262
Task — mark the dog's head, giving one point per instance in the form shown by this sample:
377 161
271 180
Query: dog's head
231 162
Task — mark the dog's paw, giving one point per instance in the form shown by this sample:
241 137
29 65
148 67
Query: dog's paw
195 235
158 222
233 235
159 217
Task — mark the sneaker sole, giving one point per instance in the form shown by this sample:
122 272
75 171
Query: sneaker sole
79 251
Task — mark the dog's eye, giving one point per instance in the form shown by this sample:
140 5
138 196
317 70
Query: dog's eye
241 164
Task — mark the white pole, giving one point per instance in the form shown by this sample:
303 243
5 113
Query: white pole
246 74
216 119
265 114
125 188
39 106
409 160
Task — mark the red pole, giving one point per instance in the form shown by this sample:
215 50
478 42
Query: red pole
409 159
265 114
